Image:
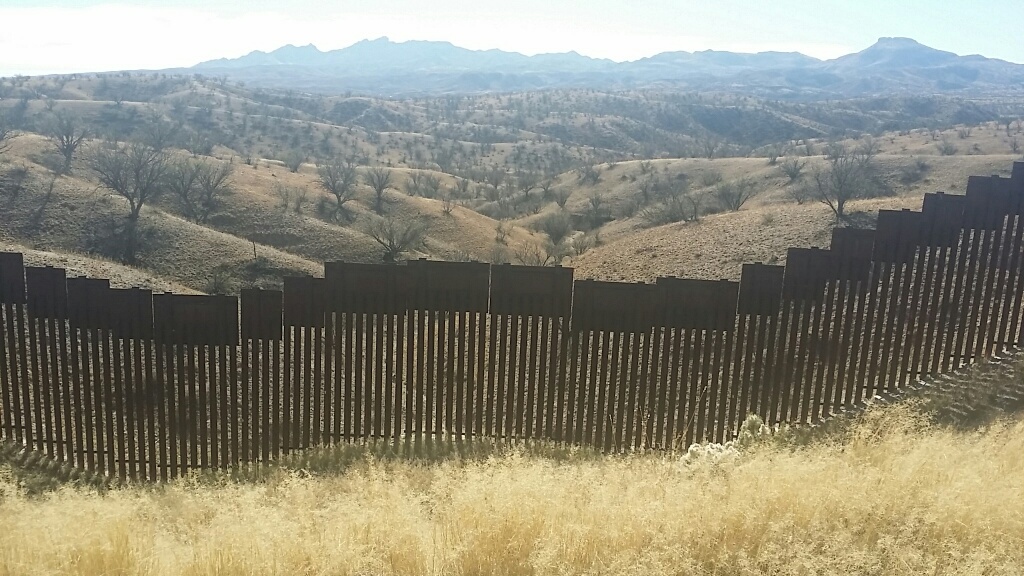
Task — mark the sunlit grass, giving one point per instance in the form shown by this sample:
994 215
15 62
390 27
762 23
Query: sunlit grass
888 495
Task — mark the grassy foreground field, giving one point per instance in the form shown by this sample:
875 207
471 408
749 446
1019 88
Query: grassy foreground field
888 494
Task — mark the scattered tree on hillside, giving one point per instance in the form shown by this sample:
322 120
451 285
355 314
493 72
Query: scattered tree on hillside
562 197
495 177
696 199
397 237
868 146
545 187
7 133
431 186
414 185
530 254
792 168
595 212
198 145
136 173
198 187
527 181
133 171
501 232
848 175
588 175
946 148
647 187
709 178
380 180
710 147
290 195
339 178
733 195
557 226
66 134
214 184
462 187
293 161
160 135
447 202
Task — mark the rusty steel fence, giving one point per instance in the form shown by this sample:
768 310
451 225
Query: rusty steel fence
137 385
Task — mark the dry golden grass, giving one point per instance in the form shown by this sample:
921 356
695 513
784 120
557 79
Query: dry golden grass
890 495
120 276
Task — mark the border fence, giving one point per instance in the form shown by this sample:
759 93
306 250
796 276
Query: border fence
137 385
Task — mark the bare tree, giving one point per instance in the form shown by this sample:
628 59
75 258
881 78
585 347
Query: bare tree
133 171
710 147
284 195
588 174
380 180
66 134
695 199
675 202
733 195
557 226
414 185
431 186
397 237
545 187
136 173
7 133
462 188
214 184
495 177
793 168
293 161
181 180
562 197
198 187
868 147
447 203
527 181
647 187
160 135
339 178
847 176
531 254
596 212
198 145
502 231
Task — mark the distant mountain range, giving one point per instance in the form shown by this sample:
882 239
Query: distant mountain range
383 67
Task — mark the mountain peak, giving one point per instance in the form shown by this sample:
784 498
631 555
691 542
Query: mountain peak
897 42
294 48
893 53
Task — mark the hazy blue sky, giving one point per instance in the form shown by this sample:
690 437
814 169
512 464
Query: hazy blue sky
48 36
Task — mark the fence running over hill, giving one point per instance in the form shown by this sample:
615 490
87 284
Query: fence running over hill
128 383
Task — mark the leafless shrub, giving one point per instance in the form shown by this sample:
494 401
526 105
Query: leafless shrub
397 237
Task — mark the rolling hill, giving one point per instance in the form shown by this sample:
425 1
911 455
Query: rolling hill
576 177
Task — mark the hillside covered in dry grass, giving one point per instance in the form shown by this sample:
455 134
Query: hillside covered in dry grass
621 185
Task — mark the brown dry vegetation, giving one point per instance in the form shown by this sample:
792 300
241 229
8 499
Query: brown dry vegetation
891 494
